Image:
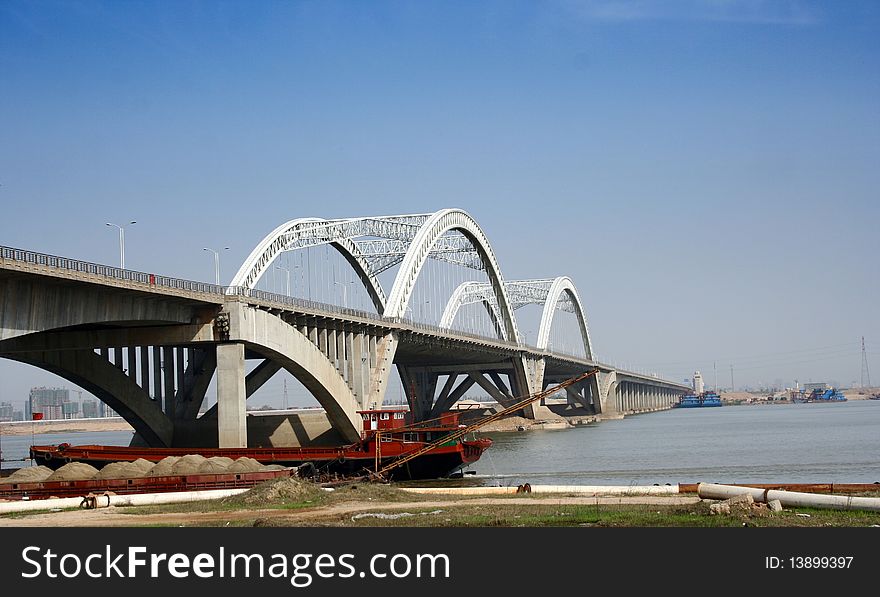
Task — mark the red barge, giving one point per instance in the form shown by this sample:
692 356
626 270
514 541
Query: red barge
388 435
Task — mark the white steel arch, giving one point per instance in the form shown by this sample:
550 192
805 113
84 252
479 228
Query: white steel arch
563 286
428 235
468 293
305 232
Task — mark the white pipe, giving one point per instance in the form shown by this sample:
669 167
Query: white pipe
104 500
790 498
29 505
578 489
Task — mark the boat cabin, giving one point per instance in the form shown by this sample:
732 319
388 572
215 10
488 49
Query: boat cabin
391 419
383 419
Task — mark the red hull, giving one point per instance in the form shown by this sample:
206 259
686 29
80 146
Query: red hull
348 460
46 489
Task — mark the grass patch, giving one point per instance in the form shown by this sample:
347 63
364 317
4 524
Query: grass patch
560 515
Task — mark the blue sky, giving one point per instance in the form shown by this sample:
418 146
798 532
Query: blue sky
705 170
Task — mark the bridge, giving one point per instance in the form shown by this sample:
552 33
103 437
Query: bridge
150 346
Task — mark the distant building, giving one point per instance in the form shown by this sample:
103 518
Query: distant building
698 383
70 410
49 401
90 409
6 412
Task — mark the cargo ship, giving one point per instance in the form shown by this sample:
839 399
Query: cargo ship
388 435
702 400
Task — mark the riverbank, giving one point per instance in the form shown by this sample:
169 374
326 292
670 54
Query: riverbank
299 503
65 426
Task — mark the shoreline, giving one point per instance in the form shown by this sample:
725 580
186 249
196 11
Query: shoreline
19 428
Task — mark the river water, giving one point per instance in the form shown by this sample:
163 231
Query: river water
796 443
15 447
791 443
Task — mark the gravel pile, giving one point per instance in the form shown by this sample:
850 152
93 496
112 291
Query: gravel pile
31 474
191 464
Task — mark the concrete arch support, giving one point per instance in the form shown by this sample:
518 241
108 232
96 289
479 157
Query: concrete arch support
94 373
274 339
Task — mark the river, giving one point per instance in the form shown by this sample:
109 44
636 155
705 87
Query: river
797 443
790 443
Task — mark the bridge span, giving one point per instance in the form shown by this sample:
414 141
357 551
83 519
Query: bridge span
150 345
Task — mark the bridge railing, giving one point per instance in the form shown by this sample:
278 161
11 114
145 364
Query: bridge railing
331 309
106 271
296 302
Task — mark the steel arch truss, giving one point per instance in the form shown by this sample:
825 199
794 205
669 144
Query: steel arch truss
428 239
371 245
553 293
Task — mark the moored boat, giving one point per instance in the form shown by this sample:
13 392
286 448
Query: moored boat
702 400
388 435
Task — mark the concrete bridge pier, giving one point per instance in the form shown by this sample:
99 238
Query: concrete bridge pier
231 396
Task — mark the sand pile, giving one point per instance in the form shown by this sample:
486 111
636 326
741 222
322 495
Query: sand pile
164 467
31 474
142 465
244 465
125 470
275 491
191 464
188 465
73 471
216 465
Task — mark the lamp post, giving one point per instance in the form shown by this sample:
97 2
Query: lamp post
121 241
286 271
216 262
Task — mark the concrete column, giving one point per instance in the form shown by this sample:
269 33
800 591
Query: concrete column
231 396
331 346
360 370
180 361
145 369
168 374
340 352
322 340
313 332
349 360
132 362
157 374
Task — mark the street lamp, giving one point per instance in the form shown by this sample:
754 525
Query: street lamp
216 262
121 241
287 271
